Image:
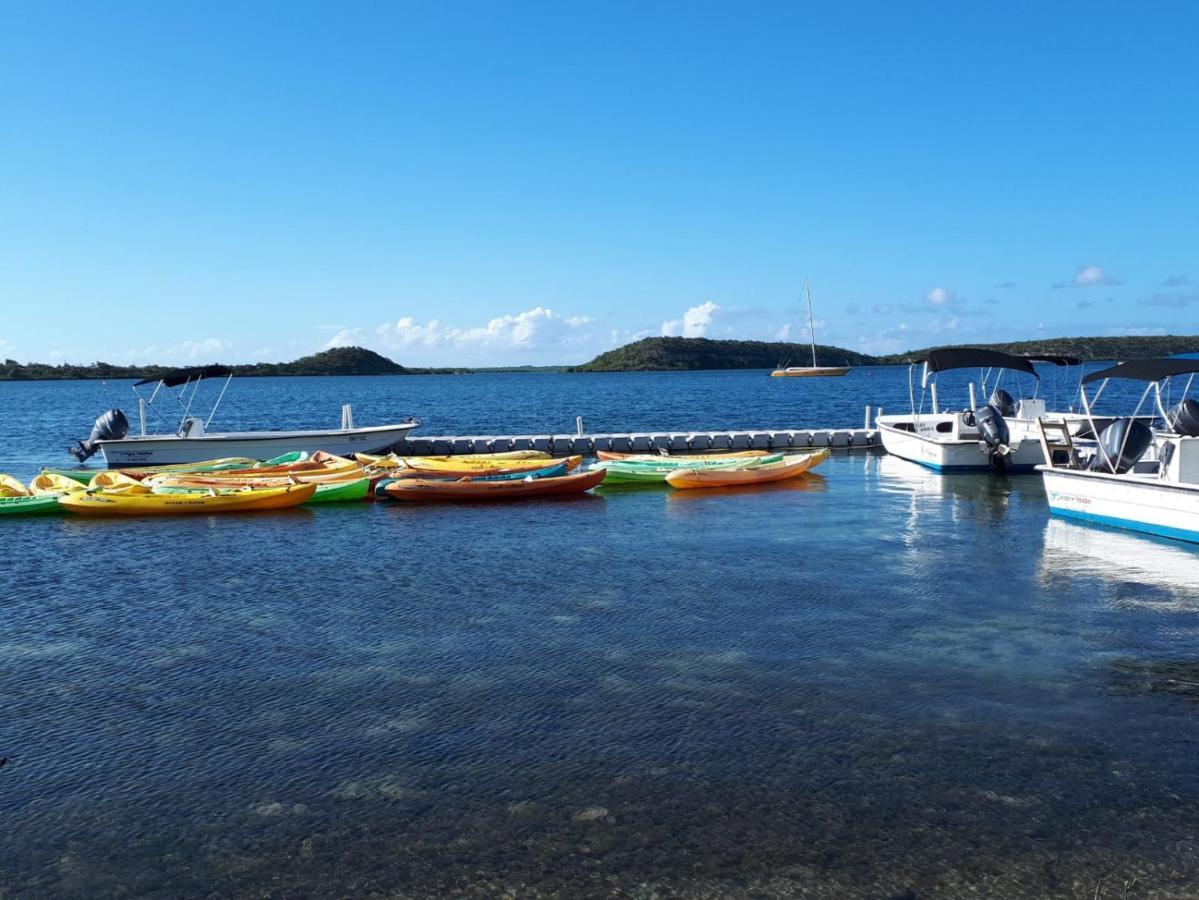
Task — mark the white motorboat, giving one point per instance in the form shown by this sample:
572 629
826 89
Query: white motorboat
1135 477
193 442
978 438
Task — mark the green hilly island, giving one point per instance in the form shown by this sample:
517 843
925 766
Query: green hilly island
338 361
656 354
673 353
679 353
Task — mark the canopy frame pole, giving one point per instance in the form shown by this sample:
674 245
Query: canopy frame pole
183 393
220 397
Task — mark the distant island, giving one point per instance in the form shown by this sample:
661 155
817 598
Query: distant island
1085 348
338 361
665 354
658 354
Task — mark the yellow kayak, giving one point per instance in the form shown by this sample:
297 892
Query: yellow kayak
10 487
466 464
391 460
112 480
122 503
246 479
49 483
327 465
790 467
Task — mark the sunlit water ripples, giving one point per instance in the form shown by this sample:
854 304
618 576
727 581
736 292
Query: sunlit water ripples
876 682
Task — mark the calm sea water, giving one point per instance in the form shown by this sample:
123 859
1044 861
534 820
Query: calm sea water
876 682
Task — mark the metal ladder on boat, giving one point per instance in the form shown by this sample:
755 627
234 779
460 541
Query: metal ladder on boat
1064 442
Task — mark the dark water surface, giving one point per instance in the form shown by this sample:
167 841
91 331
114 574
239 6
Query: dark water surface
876 682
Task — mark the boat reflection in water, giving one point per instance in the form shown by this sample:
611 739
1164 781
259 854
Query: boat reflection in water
1132 570
971 496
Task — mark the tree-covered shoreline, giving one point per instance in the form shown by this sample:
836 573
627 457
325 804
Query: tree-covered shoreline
664 354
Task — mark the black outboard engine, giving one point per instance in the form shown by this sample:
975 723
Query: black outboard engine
1121 444
1184 418
1003 402
110 426
994 433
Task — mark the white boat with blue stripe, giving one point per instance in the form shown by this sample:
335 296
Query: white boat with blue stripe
1136 477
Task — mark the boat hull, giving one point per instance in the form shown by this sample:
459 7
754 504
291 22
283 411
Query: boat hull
810 372
954 456
1148 504
156 450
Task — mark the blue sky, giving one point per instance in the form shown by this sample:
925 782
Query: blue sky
534 183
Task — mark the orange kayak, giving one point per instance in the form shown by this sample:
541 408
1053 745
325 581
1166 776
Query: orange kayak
654 457
790 467
467 489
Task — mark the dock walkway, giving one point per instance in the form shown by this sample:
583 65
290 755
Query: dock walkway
843 439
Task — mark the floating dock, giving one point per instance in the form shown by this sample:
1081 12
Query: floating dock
843 439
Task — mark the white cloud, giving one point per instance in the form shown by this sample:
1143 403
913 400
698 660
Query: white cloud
525 330
206 350
939 296
784 333
537 335
695 322
1089 276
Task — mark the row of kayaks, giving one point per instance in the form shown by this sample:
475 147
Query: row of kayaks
234 485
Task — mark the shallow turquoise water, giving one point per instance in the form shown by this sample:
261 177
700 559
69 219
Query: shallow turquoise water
873 682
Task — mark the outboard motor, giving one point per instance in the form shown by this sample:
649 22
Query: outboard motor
1121 444
1184 418
110 426
1003 402
994 434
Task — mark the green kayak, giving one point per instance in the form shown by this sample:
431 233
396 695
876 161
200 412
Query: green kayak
341 492
694 462
29 506
646 472
283 459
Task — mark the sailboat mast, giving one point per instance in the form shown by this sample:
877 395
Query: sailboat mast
811 322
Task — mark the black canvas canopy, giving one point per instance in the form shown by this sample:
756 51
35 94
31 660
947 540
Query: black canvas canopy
1146 369
1055 360
176 377
974 357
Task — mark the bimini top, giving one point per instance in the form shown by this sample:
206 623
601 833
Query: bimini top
1055 360
974 357
176 377
1146 369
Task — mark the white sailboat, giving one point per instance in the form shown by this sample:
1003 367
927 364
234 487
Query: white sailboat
193 442
814 370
